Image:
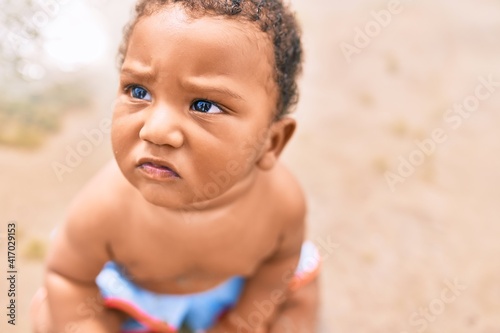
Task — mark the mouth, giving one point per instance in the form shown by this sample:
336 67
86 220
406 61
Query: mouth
157 169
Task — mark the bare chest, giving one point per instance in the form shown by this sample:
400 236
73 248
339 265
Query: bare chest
186 257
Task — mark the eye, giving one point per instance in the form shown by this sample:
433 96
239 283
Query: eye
205 107
139 92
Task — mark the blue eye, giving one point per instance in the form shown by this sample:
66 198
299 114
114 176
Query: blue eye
205 107
140 93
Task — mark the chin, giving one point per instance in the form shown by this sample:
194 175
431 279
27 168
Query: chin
156 195
163 202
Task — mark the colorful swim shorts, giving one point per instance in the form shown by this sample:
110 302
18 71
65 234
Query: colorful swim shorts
199 311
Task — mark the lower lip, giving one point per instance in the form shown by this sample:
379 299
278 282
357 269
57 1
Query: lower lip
157 172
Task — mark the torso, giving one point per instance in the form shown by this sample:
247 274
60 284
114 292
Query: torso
187 252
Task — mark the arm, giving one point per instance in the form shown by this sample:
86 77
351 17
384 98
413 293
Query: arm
77 307
267 289
76 257
263 295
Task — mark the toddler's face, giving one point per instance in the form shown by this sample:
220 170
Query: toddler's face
196 99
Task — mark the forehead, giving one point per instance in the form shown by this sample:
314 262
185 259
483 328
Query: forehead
202 45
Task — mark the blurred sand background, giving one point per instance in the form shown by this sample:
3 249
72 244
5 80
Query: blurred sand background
397 249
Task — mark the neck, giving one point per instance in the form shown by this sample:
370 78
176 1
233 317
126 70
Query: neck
226 199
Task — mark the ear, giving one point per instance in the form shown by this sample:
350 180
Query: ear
280 133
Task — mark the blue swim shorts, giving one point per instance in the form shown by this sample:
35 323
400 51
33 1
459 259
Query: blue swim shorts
149 311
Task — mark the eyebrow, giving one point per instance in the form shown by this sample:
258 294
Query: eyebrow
145 74
148 75
213 89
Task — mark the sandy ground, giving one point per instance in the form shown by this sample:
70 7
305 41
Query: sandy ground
415 253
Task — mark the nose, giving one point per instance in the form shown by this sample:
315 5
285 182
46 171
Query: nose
162 126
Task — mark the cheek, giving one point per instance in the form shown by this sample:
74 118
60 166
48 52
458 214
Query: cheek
225 163
250 147
117 138
122 135
217 175
217 166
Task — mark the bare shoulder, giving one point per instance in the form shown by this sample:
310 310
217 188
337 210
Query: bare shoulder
289 209
81 245
102 201
287 196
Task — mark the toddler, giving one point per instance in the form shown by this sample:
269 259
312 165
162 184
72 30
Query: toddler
195 223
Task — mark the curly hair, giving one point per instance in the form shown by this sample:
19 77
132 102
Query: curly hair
273 17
